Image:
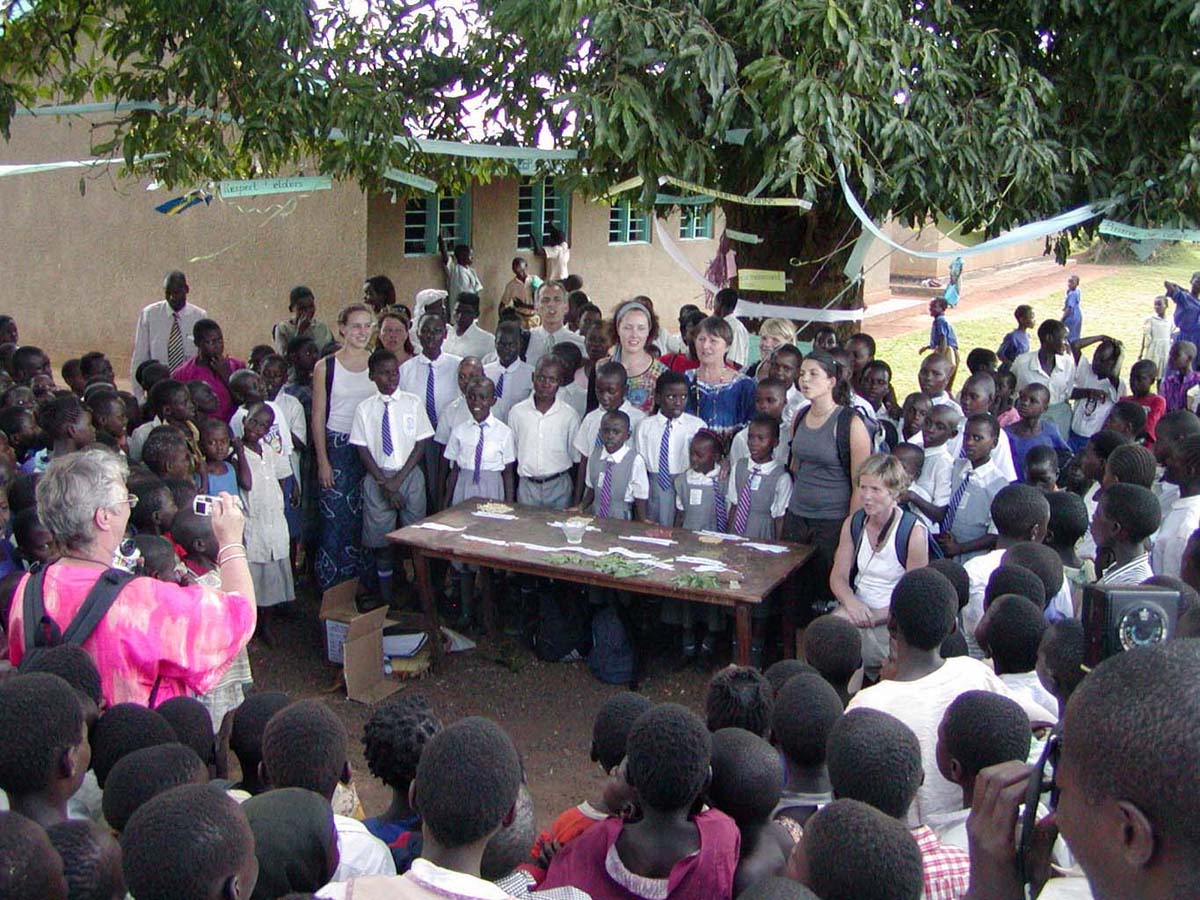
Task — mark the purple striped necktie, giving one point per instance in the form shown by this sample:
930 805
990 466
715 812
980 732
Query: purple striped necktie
479 453
605 502
742 518
664 459
719 500
386 430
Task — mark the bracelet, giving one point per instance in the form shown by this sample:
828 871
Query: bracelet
227 559
223 553
225 547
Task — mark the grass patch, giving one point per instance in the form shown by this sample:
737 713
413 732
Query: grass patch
1115 305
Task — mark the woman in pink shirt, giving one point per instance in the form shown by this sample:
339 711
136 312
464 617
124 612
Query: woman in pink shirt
158 640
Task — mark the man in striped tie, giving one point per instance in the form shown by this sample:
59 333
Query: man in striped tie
164 329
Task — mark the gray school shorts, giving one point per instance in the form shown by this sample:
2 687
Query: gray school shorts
380 517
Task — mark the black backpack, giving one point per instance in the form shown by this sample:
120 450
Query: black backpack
904 529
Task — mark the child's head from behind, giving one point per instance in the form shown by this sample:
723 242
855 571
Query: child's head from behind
610 730
745 777
304 745
1017 581
91 860
1097 450
614 430
1060 666
704 451
924 610
739 697
75 666
671 393
193 726
912 458
384 371
1183 463
980 729
190 843
833 646
45 752
571 358
805 711
121 730
1128 418
394 738
158 556
30 867
1010 633
1068 519
144 774
668 756
982 361
875 758
466 783
1172 427
1042 561
1020 513
610 385
249 722
1126 514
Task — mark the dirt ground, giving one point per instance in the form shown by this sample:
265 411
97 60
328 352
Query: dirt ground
547 708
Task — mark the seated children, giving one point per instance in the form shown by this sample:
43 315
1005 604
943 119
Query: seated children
876 759
760 487
122 729
144 774
1098 385
670 851
218 472
191 843
770 399
663 440
194 729
1068 525
245 736
805 711
294 842
1016 341
512 376
468 339
30 867
1142 376
745 786
610 393
617 485
393 739
941 426
610 733
739 697
935 378
45 752
544 428
980 729
922 615
833 646
389 432
1041 469
851 850
1182 469
1125 516
91 860
1180 377
1032 430
311 725
1010 633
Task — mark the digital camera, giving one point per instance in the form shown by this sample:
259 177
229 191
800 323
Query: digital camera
1121 617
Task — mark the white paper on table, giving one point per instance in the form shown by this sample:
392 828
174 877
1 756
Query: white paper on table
502 516
701 561
765 548
722 535
561 524
630 554
575 548
485 540
661 542
707 569
540 548
438 526
660 565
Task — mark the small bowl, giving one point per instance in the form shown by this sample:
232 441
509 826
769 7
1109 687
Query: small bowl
574 529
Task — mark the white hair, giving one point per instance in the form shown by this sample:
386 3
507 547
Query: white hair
73 487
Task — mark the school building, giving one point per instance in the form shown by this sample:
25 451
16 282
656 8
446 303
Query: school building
85 250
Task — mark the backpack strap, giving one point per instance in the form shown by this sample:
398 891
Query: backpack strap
33 610
903 534
96 605
858 522
329 367
841 433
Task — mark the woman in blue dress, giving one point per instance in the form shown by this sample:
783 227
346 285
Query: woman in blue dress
720 395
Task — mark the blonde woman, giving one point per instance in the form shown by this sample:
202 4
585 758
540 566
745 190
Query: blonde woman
878 544
772 334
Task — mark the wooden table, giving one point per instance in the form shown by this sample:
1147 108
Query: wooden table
755 573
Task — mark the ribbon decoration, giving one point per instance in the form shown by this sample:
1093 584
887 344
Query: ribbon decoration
35 168
743 236
1061 222
795 313
1134 233
673 251
710 193
176 205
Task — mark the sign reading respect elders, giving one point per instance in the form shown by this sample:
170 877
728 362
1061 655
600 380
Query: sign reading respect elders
252 186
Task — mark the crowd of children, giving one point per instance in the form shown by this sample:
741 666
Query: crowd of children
1044 473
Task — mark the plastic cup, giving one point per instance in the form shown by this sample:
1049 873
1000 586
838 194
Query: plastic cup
574 531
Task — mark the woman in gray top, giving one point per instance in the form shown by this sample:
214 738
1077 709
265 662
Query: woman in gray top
829 443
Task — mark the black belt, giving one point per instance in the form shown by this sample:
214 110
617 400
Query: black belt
533 480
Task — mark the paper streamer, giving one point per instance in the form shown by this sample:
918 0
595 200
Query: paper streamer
414 181
734 198
680 260
743 236
795 313
858 256
1027 232
35 168
251 187
1135 233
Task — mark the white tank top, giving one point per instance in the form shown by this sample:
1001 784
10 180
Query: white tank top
878 571
349 390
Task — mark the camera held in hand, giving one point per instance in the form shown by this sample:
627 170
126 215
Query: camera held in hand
1121 617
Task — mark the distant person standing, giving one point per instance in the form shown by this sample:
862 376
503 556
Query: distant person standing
724 304
460 277
1072 315
164 329
557 253
379 293
519 292
1187 309
302 304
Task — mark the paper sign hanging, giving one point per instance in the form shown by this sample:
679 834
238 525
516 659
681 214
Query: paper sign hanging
1134 233
743 236
854 265
526 167
760 280
254 186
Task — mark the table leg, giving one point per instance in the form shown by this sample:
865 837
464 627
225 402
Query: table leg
742 620
487 593
788 621
428 602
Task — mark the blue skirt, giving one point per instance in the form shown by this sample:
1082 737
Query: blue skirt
339 551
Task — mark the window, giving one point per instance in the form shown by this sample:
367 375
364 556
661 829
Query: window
626 226
695 222
540 207
427 216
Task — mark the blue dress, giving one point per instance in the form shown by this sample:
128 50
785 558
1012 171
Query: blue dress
725 408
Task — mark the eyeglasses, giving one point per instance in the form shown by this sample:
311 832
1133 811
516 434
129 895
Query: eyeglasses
131 499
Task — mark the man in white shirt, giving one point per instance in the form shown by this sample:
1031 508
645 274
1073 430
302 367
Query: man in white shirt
1053 365
724 305
164 329
467 338
512 376
552 309
544 428
433 377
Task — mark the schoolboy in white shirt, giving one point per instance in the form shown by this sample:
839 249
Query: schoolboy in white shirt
390 432
512 376
544 429
663 440
433 377
617 484
467 338
941 425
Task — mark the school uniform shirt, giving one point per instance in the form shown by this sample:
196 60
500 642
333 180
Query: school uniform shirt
575 396
979 570
454 414
407 424
740 446
423 881
1090 415
1072 315
414 378
542 342
361 853
973 515
1001 456
278 436
739 351
942 332
1014 344
1135 571
944 399
638 487
1184 517
783 487
460 280
935 474
472 342
648 440
153 333
545 441
297 425
513 384
499 449
1027 369
587 439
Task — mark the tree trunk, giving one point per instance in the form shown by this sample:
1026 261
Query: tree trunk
810 248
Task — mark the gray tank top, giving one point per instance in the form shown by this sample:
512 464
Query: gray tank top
820 488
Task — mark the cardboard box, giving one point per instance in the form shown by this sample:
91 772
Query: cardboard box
355 641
